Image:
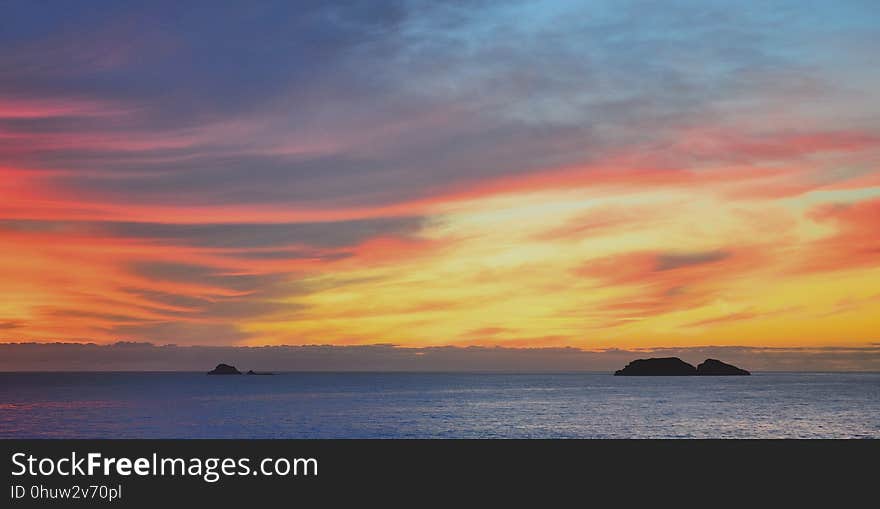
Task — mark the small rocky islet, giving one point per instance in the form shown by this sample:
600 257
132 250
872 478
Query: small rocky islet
673 366
226 369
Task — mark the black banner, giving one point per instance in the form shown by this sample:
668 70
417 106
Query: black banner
549 473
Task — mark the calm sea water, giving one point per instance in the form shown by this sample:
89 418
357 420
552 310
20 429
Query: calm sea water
407 405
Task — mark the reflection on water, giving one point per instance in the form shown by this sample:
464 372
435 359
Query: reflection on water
407 405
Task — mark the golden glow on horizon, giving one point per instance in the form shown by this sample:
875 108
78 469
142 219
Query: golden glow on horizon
517 271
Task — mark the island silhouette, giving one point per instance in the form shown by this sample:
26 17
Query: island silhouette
224 369
673 366
228 369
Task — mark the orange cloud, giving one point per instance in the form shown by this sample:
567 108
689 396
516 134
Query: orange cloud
662 282
855 242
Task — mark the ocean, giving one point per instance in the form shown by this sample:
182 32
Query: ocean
438 405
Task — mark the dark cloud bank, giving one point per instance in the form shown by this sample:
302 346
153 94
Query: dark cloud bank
127 356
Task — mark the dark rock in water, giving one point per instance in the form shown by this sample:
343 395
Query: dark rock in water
663 366
673 366
252 372
224 369
714 367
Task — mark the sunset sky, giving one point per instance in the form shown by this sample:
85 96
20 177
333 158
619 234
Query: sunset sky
522 174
